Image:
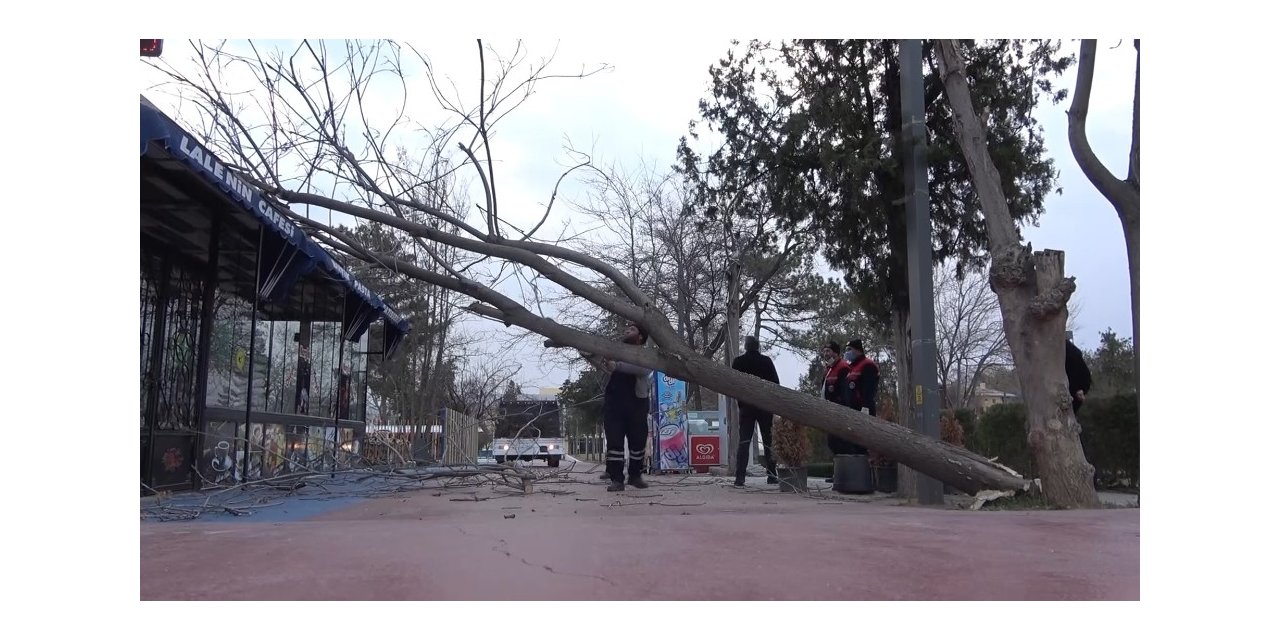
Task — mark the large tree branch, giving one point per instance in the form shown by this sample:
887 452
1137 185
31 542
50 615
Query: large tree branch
971 135
1137 90
1107 184
515 251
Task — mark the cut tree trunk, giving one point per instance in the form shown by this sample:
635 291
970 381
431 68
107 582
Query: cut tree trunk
1033 294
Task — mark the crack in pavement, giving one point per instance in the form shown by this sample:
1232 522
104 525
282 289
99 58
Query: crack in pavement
503 550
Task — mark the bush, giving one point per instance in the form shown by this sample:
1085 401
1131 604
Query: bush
1109 433
790 443
818 446
1110 436
949 427
1002 433
968 422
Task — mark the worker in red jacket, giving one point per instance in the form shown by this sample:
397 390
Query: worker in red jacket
836 388
863 377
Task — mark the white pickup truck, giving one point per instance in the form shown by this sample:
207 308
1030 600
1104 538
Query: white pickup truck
551 450
529 429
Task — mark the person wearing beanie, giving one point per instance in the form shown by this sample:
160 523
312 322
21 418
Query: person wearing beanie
749 417
864 378
835 387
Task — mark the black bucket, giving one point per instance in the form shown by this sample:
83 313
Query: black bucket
852 475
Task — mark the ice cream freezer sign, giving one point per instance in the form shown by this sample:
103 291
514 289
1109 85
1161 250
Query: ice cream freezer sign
706 450
671 424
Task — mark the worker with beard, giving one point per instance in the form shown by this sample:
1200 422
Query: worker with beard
626 411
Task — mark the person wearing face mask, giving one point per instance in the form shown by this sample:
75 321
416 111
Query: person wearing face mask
626 408
835 387
864 378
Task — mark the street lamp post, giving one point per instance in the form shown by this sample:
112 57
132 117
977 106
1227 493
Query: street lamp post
924 373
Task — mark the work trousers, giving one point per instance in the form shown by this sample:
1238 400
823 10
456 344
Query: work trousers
841 447
748 419
625 420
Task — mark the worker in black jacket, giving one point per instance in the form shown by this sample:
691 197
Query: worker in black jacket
1079 380
760 366
626 406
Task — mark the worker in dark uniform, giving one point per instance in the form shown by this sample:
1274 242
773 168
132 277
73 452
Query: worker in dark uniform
1079 380
626 411
760 366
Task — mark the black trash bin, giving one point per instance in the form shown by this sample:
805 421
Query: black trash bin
852 475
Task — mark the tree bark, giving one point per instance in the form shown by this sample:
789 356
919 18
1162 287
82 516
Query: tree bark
1122 194
1033 294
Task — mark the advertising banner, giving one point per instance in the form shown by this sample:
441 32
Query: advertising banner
671 426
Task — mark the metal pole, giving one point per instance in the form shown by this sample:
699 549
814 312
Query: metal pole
337 395
207 318
924 373
155 372
253 337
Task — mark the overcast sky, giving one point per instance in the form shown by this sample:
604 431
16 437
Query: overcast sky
637 110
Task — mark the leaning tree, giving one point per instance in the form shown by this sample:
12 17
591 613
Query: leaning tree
1033 293
302 133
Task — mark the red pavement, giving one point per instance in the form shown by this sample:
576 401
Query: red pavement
715 543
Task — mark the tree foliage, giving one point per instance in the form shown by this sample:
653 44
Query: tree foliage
815 127
1112 366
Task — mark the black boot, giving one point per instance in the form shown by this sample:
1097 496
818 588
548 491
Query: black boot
638 482
615 486
739 482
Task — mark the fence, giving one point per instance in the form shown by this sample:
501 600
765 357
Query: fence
588 448
461 442
457 443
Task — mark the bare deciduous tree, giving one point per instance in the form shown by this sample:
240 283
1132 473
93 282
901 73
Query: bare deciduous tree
314 114
970 334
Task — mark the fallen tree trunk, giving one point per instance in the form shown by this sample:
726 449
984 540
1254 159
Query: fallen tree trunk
955 466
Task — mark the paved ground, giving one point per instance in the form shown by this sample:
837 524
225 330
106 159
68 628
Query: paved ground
687 537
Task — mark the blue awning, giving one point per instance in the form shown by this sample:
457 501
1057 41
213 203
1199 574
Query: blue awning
288 254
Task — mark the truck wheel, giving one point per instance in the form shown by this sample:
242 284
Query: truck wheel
527 458
553 461
499 459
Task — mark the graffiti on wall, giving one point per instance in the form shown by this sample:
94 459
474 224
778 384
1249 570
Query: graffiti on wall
219 462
